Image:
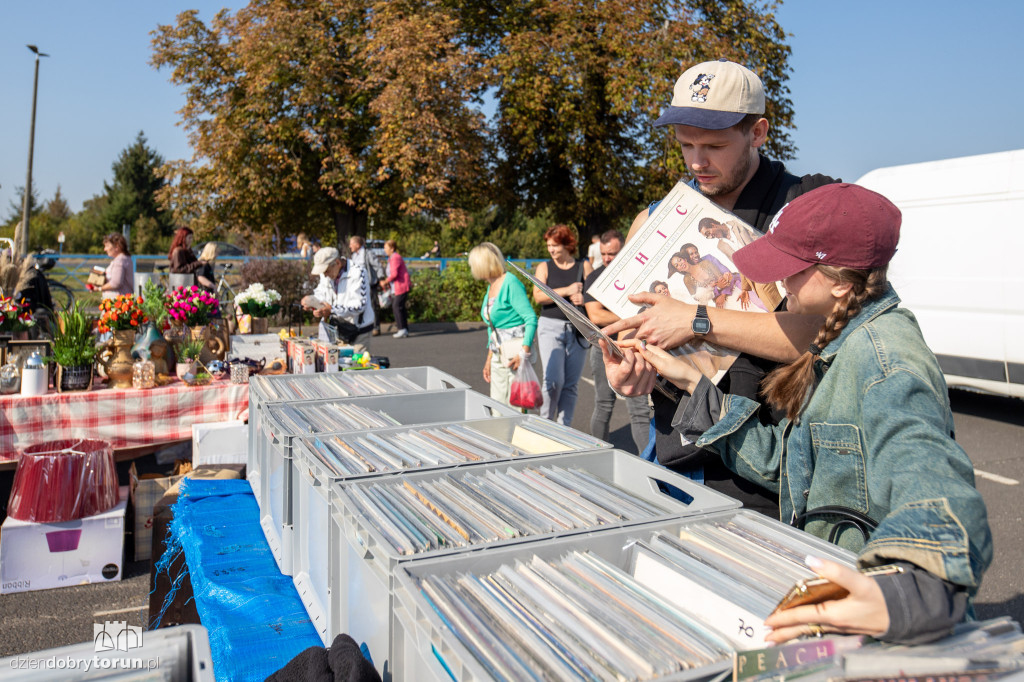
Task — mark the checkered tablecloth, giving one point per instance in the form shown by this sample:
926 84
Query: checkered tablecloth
126 418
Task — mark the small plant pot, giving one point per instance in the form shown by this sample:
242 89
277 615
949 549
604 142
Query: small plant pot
71 379
193 373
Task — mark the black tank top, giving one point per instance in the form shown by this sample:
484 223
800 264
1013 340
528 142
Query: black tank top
558 278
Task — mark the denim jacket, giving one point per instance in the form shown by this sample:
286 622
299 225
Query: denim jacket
876 437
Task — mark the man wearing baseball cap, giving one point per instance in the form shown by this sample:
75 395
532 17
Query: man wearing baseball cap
341 299
717 116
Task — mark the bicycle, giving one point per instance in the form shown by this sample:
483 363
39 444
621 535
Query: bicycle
63 298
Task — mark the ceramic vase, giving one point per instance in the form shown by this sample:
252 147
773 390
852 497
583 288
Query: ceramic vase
116 358
151 340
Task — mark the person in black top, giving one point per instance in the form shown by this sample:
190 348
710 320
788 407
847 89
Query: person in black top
639 408
183 261
720 136
562 349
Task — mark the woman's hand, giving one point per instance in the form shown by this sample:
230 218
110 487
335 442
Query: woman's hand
487 367
323 312
677 370
629 375
514 363
862 612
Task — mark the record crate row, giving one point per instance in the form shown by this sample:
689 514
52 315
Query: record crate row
668 600
280 424
341 559
267 390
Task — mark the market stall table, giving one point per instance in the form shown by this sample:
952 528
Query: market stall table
126 418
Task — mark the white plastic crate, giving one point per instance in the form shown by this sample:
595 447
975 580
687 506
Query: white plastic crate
267 390
362 563
178 654
275 450
424 649
311 507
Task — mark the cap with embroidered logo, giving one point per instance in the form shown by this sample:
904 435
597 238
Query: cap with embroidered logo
714 96
842 225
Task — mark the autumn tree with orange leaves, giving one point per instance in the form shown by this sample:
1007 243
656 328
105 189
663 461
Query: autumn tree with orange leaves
317 114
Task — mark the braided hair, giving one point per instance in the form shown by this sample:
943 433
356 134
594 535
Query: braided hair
787 388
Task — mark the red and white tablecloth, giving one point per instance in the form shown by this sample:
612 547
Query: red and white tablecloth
126 418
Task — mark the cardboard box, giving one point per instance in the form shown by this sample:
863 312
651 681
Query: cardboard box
145 492
326 356
303 357
219 443
40 556
97 276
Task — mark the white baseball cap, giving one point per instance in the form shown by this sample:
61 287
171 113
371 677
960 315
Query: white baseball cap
714 96
323 259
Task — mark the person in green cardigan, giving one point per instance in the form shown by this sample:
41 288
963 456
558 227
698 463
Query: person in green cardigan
510 318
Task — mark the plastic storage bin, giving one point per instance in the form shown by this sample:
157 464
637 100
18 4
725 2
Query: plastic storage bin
178 654
285 388
274 449
313 478
362 562
424 648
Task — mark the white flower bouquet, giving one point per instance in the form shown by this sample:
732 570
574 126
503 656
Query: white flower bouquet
258 301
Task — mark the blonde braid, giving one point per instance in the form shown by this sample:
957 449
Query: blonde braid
786 388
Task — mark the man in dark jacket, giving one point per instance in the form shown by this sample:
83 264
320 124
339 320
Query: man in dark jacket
720 127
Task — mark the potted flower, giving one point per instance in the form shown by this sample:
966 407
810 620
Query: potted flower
190 368
195 308
15 317
258 303
122 316
74 349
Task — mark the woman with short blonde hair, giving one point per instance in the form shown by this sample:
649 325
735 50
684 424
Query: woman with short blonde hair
511 320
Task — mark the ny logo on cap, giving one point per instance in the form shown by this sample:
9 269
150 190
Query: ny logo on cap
820 254
775 221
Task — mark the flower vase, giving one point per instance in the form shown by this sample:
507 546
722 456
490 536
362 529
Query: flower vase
260 325
116 358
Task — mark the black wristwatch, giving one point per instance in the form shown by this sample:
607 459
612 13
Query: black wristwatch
701 324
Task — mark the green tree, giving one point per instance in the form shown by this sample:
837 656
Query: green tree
57 207
131 196
309 115
579 83
316 115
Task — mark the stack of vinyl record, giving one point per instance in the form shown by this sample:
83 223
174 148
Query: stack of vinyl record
328 416
443 445
467 508
337 385
683 598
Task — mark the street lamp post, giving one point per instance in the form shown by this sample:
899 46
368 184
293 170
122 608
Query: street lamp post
22 248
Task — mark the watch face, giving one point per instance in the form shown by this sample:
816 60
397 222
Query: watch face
700 325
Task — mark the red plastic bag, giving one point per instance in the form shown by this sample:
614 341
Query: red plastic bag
526 387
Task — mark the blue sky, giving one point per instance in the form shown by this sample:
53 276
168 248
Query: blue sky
873 84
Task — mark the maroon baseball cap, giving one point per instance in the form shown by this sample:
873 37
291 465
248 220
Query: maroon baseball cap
842 225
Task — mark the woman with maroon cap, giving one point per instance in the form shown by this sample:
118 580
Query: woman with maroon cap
865 456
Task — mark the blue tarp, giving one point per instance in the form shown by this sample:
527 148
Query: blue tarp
256 621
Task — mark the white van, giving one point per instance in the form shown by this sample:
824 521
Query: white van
960 263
